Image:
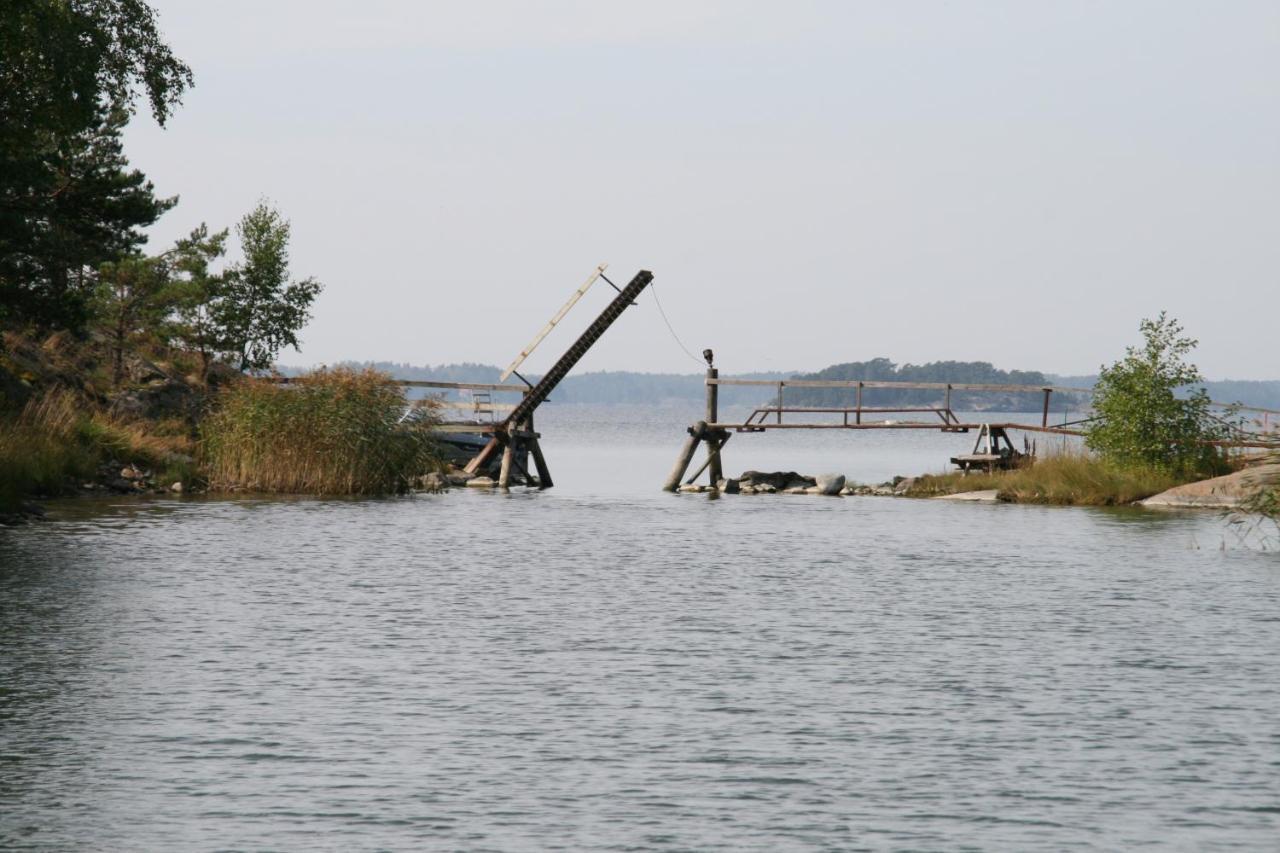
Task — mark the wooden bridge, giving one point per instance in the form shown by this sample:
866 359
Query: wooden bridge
987 451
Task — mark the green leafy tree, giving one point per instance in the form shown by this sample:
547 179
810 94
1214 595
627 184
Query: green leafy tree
134 297
260 311
1146 410
69 70
92 210
198 292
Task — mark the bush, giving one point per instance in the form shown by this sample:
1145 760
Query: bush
1139 419
332 432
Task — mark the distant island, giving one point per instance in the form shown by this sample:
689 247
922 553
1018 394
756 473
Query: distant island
656 388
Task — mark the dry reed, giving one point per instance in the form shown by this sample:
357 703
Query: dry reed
332 432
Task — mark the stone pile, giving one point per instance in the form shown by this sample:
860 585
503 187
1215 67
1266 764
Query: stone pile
791 483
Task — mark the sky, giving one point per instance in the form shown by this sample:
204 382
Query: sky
810 182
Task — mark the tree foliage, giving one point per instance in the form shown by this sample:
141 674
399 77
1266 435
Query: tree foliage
1148 410
259 311
134 298
82 207
69 70
197 291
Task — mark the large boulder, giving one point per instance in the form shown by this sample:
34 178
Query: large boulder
829 484
779 480
1219 492
163 398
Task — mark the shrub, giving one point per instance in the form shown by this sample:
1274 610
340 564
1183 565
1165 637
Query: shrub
332 432
1138 417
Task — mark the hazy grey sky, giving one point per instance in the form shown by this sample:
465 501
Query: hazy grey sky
810 182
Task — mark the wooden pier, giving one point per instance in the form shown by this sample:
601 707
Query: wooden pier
714 434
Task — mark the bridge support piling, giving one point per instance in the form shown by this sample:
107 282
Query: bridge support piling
696 432
713 416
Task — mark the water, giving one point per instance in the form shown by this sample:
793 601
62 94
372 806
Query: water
603 666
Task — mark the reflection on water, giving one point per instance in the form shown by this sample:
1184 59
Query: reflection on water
606 666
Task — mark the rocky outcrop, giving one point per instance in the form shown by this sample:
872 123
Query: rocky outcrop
985 496
1219 492
780 481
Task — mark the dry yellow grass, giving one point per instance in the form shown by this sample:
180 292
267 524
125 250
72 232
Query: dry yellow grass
1076 478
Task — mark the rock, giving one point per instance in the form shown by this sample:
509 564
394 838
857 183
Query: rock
764 488
1218 492
163 398
692 488
746 490
31 508
120 484
176 488
482 482
130 472
141 371
434 482
829 484
904 485
778 479
729 486
984 496
795 490
457 478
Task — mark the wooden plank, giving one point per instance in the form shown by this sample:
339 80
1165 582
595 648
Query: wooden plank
921 386
430 383
546 330
756 427
482 458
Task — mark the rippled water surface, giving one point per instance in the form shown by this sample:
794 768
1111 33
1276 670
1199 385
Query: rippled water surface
602 666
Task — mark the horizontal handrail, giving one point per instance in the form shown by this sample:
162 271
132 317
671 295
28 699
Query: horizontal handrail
884 383
941 386
431 383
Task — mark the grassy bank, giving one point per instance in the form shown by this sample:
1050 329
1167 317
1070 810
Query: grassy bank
60 439
329 433
1079 479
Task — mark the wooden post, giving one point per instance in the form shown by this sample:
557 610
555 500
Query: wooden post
948 403
544 473
1045 420
508 455
859 418
780 402
686 456
713 416
714 455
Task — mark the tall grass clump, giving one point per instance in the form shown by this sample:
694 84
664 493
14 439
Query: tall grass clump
1072 477
42 450
332 432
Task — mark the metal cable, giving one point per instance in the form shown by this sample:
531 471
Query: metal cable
674 336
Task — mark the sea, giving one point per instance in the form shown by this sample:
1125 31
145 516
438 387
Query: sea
605 666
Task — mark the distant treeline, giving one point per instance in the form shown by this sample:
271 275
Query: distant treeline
959 372
1263 393
652 388
599 387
